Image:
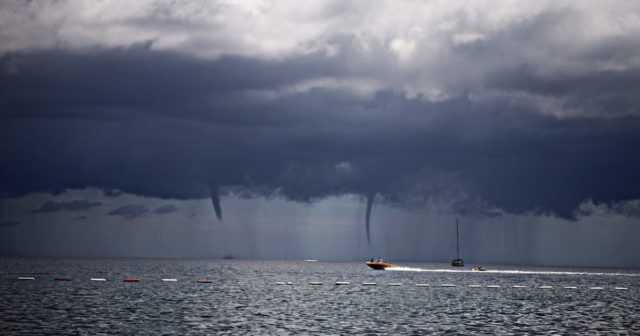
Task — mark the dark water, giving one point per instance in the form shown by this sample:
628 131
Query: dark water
245 299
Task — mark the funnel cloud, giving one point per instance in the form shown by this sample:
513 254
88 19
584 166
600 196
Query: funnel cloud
367 221
215 200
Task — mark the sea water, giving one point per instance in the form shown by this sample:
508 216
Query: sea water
276 297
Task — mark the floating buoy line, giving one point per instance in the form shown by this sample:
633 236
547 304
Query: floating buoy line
127 279
347 283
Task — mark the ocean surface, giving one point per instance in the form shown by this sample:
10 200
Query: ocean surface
276 297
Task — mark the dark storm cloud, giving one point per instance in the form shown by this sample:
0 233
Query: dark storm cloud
7 224
75 205
142 132
602 93
141 82
165 209
510 119
130 211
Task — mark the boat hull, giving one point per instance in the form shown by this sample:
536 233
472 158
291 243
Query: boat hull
379 265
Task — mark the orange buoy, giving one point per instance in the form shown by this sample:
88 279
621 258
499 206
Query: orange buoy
62 279
204 281
131 280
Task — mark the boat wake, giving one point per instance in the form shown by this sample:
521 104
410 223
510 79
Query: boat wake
408 269
417 269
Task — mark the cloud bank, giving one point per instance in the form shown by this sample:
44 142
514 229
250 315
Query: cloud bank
165 209
131 211
523 107
75 205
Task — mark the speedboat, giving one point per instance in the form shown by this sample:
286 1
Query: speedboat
379 265
479 269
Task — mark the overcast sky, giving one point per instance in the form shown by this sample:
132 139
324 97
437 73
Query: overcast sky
262 129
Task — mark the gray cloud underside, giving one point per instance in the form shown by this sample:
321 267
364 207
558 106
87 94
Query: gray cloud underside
130 211
165 209
511 118
75 205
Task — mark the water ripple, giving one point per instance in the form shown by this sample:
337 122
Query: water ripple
243 299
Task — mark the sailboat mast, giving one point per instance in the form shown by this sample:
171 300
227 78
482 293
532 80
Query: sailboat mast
457 240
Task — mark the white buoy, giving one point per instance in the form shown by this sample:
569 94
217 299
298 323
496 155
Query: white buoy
395 284
289 283
169 280
280 283
342 283
315 283
422 285
570 287
475 286
493 286
596 288
26 278
447 285
98 279
546 287
621 288
368 283
519 286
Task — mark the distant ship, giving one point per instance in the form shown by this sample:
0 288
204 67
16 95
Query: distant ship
457 261
379 264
